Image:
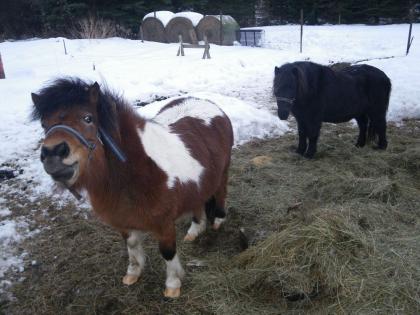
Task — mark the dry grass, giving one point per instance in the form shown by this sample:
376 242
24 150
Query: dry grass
93 27
335 235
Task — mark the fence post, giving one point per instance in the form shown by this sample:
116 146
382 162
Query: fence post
410 38
181 46
2 75
221 28
301 29
65 49
141 33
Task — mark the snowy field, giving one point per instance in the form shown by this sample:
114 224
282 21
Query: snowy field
237 78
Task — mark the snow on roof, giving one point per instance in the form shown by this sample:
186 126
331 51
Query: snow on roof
194 17
163 16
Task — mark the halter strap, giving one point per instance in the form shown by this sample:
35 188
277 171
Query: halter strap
90 145
291 101
102 136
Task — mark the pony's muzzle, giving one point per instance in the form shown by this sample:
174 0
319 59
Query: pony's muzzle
52 158
283 114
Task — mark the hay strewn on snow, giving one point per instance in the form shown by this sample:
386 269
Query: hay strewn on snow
333 235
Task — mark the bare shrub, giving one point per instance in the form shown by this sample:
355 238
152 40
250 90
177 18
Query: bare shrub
92 27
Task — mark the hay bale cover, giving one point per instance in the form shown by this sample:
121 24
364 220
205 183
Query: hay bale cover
218 32
183 23
153 26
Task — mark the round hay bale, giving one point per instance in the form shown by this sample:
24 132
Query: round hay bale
221 33
153 26
183 23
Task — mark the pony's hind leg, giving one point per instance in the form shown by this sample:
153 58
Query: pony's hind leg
380 126
362 122
174 271
198 226
215 206
136 257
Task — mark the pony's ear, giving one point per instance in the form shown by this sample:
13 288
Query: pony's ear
35 99
276 70
94 93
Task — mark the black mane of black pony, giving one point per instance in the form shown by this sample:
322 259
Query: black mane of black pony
68 92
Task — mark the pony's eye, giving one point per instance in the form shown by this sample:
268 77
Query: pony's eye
88 119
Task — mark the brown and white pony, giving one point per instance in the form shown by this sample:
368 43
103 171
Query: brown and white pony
140 175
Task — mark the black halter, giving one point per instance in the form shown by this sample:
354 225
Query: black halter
102 137
291 101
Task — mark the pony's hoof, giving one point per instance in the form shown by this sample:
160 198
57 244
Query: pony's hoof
130 279
172 293
190 237
217 223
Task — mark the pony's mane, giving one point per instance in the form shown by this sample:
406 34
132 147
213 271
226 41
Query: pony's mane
68 92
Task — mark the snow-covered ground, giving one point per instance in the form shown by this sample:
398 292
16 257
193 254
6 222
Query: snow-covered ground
237 78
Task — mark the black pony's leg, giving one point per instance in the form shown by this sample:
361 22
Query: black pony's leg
301 149
380 126
362 122
313 135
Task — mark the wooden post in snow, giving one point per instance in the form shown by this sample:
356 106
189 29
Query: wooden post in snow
410 38
2 75
221 29
65 49
301 29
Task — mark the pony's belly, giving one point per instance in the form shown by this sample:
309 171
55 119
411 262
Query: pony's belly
337 120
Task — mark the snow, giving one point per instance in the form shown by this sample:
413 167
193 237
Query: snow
194 17
5 212
163 16
237 78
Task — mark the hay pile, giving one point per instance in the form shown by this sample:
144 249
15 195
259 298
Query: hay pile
153 30
335 235
153 26
183 24
219 30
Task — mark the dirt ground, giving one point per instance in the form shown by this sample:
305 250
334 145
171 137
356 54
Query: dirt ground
350 219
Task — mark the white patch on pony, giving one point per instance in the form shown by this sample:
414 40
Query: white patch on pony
174 273
136 254
195 229
218 222
190 107
169 152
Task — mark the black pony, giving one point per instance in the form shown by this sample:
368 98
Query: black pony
316 94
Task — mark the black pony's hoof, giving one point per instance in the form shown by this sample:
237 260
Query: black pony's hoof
300 151
380 147
309 155
359 145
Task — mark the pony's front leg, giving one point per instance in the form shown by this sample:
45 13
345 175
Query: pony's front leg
198 226
313 135
174 271
302 139
136 257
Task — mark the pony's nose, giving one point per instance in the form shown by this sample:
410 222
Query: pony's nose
61 150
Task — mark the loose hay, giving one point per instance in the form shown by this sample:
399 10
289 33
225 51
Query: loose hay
351 246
